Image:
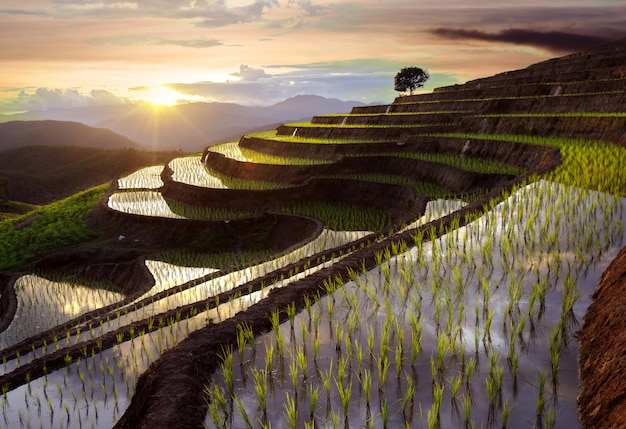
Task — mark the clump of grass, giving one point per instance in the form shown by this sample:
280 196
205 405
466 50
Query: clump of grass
49 227
342 217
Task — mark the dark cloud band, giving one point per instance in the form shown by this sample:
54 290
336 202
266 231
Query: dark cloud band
555 41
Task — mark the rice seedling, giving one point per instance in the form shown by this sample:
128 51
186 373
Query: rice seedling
314 395
541 400
272 135
293 375
382 366
455 385
420 187
549 421
326 377
506 411
587 164
290 412
479 165
260 388
366 383
232 182
433 414
244 154
218 406
384 412
341 217
407 398
467 410
345 394
342 365
556 340
187 211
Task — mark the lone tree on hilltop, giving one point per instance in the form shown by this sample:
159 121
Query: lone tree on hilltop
410 78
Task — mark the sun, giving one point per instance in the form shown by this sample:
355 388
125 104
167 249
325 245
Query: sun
159 95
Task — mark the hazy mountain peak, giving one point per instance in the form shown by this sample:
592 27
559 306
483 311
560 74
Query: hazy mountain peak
191 127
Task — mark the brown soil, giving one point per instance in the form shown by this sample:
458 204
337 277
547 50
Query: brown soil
602 357
8 300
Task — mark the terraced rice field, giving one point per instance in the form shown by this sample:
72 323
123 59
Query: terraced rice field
448 247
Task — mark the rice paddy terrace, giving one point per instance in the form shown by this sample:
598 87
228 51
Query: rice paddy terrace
426 263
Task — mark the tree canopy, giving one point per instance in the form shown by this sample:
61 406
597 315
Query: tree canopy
410 78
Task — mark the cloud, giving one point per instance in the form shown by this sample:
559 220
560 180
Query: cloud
47 98
308 8
23 12
146 40
221 16
250 74
203 13
358 80
555 41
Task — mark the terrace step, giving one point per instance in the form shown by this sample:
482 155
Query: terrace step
516 154
522 88
579 75
454 179
609 128
342 191
385 119
384 133
582 102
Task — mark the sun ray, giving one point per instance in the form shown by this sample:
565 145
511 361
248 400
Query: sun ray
162 95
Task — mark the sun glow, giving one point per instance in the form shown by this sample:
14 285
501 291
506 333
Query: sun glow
160 95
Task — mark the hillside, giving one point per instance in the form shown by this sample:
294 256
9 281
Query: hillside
44 161
43 174
59 133
426 263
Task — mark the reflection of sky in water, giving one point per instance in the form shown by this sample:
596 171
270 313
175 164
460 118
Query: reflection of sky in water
145 178
232 150
43 304
119 368
436 209
168 275
144 203
547 255
436 264
191 171
112 374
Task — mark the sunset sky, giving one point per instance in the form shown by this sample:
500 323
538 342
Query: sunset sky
69 53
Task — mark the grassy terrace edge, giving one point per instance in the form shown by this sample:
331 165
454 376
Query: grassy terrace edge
48 228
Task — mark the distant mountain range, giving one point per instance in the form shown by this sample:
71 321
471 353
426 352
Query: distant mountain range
186 127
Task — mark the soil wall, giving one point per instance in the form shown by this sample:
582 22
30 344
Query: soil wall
8 300
453 179
602 356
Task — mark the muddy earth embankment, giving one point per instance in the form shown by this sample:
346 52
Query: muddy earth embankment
602 356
